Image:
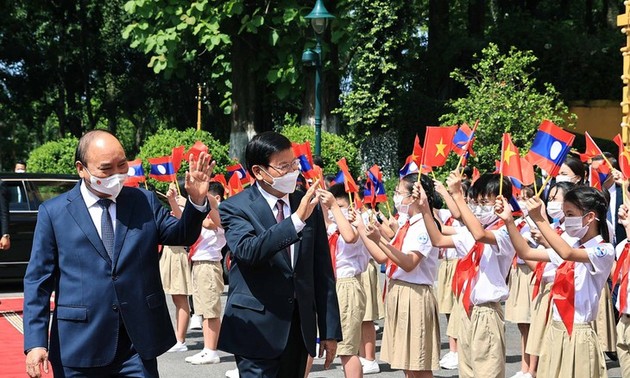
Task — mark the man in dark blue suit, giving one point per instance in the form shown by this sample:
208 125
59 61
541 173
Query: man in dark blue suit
282 287
96 247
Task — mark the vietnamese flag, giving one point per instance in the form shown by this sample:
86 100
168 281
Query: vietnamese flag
349 183
527 170
475 175
592 149
416 154
220 178
196 150
177 154
624 157
437 144
594 178
510 164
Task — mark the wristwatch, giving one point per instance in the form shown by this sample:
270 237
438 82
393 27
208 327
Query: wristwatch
6 236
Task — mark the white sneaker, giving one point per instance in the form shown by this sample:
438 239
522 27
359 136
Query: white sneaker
178 347
232 373
195 322
527 375
370 367
376 327
519 374
204 357
449 361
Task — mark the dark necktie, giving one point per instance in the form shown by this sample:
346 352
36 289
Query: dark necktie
280 218
107 228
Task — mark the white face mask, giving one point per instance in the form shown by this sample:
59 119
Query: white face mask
486 215
554 210
111 185
564 178
344 211
284 184
573 227
20 171
400 207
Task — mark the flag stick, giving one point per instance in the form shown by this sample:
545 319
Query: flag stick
145 185
624 188
535 186
351 202
177 186
542 187
389 209
432 174
501 165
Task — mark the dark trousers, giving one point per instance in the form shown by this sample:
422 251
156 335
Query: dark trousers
127 363
290 364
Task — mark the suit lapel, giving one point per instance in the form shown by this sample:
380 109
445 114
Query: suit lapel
265 215
124 209
79 212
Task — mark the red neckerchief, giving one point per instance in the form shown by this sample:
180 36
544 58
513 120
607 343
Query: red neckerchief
467 268
623 266
332 244
519 227
540 269
449 222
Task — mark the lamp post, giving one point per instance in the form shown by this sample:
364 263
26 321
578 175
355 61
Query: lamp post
319 17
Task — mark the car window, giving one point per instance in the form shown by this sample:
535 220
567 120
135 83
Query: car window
17 195
44 190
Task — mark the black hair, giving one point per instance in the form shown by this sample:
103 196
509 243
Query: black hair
611 158
466 187
318 161
262 146
565 186
489 184
84 143
576 165
23 162
427 185
590 199
468 172
339 191
216 189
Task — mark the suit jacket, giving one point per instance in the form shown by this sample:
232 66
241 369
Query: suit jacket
4 209
93 294
264 286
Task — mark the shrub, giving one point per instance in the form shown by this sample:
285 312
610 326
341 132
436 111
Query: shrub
54 157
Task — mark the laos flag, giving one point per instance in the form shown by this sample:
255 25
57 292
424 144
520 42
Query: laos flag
550 148
135 174
162 169
238 170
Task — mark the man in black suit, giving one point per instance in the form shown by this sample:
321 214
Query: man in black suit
282 286
5 237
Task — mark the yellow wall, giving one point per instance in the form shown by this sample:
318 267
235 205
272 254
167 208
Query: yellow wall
601 118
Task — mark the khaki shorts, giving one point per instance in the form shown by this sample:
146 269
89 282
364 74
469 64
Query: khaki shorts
351 309
518 304
445 297
207 288
175 271
481 342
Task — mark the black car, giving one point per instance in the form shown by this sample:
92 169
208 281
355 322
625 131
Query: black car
26 192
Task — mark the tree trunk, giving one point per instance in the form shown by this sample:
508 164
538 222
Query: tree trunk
243 98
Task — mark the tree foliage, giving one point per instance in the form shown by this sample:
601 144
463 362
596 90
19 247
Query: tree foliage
502 95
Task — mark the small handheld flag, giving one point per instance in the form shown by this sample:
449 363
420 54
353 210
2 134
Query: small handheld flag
162 169
550 147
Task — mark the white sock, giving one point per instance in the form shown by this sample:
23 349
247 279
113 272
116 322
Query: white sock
211 352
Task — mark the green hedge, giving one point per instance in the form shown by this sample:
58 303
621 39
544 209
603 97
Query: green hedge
54 157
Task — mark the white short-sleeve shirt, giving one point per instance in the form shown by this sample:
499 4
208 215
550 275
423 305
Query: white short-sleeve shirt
417 241
489 285
351 259
210 245
589 278
444 215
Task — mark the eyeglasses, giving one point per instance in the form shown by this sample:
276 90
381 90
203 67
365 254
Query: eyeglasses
406 194
285 168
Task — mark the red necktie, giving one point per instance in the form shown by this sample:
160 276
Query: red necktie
332 244
396 243
280 218
537 276
623 265
467 269
563 293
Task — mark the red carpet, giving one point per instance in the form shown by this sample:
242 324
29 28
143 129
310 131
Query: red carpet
12 335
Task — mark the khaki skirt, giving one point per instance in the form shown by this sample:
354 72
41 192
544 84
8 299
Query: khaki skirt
374 309
518 304
175 271
539 321
577 357
445 297
411 339
604 324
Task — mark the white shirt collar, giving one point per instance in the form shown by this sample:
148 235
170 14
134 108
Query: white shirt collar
90 198
271 199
